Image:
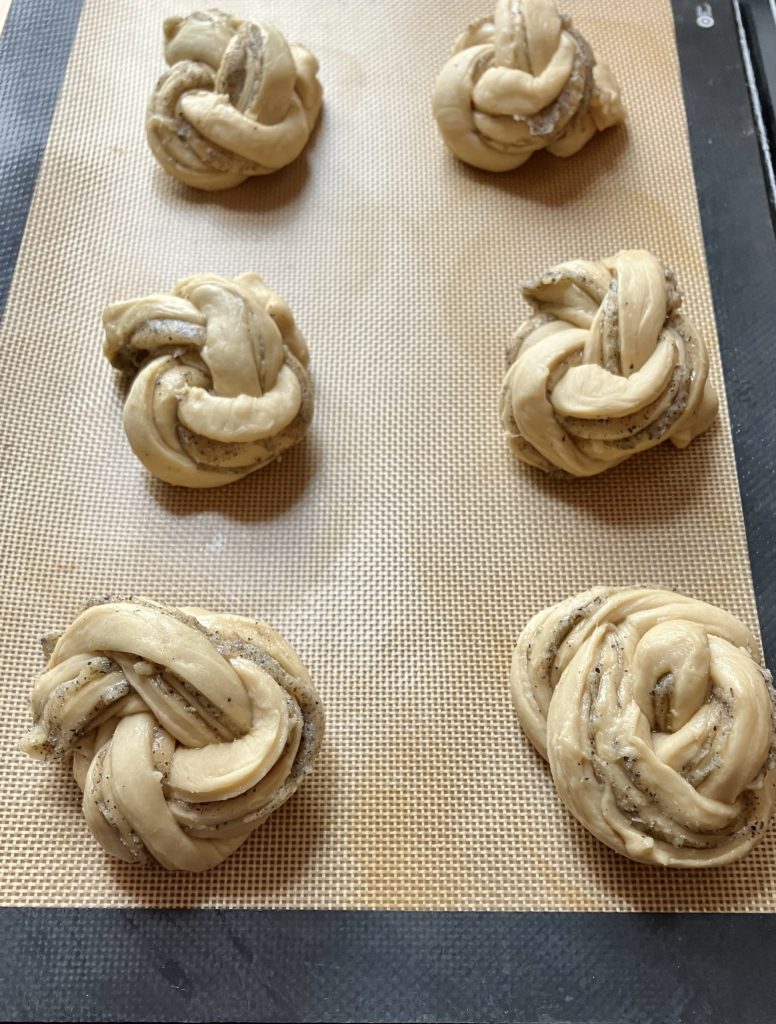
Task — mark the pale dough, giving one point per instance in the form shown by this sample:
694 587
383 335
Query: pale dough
657 719
220 386
520 81
237 101
608 366
188 728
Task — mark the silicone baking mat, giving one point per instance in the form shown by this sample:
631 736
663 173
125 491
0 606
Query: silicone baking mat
400 548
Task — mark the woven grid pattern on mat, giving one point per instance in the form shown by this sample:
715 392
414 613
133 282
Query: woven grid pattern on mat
401 548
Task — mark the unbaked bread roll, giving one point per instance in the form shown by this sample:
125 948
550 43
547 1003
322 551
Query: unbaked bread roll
220 387
188 728
237 101
521 81
608 366
657 719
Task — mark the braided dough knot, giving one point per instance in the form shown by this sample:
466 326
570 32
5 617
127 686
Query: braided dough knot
188 728
609 366
220 387
521 81
657 719
237 101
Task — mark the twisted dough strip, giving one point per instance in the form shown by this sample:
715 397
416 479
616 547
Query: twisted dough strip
657 720
237 101
606 368
220 387
188 728
521 81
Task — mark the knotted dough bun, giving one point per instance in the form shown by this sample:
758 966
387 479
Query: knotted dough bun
609 366
657 720
220 387
520 81
237 101
188 728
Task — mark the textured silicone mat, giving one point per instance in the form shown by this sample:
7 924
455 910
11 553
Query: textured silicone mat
401 548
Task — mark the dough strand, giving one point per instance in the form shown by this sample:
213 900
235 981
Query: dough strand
521 81
187 728
608 366
657 719
237 101
219 384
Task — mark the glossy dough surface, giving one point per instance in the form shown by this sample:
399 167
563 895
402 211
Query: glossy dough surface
188 728
657 720
607 367
237 101
219 384
520 81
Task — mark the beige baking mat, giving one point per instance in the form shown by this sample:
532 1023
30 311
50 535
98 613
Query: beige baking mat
401 548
